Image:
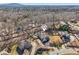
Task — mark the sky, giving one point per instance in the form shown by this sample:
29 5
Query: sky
42 2
50 3
39 1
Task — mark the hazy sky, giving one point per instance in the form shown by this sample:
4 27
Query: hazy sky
51 3
44 2
39 1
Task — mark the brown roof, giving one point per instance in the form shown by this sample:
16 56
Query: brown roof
74 43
